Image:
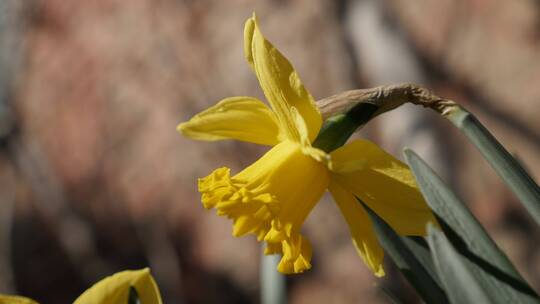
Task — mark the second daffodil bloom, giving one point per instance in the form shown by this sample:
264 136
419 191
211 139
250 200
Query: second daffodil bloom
272 197
117 288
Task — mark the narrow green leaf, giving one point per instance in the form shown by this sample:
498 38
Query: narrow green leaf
403 253
511 171
461 283
273 287
469 238
419 247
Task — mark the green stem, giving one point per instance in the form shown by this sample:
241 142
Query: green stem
273 287
511 171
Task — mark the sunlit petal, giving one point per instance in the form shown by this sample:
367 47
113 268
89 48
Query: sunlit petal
384 183
360 226
241 118
280 83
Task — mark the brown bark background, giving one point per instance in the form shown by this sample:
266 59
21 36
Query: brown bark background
95 178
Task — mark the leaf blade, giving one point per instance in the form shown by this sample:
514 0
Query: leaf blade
461 284
469 237
405 257
506 166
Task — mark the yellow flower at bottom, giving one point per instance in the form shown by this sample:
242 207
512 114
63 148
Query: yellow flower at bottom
111 290
272 198
116 288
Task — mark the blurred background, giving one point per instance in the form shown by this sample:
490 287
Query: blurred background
94 178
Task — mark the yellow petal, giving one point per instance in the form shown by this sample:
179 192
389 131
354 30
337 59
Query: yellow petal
384 183
115 289
7 299
241 118
297 254
363 236
280 83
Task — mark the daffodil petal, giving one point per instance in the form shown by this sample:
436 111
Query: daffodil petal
8 299
280 83
241 118
115 289
361 229
301 126
384 183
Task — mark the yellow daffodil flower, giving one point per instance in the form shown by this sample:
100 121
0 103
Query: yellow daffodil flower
272 197
111 290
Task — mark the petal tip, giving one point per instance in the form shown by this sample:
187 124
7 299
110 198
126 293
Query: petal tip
187 129
249 30
180 128
380 272
250 23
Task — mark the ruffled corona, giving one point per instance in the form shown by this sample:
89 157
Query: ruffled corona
271 199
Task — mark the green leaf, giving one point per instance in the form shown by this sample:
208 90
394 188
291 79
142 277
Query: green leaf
419 247
410 258
460 282
511 171
469 238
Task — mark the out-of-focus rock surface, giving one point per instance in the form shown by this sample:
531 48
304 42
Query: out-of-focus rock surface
103 182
